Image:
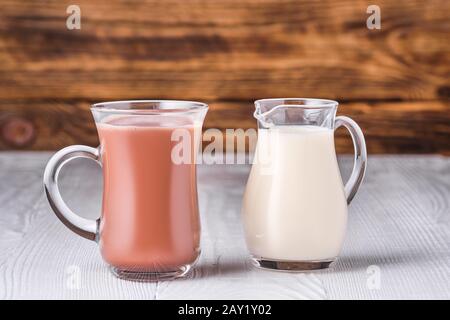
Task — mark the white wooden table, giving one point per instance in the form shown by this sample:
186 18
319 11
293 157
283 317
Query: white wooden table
397 246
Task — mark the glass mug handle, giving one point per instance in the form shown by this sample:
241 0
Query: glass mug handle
360 160
86 228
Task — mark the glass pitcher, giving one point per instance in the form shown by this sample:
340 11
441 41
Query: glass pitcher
295 204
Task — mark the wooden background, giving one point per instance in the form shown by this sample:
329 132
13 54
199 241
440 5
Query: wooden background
393 81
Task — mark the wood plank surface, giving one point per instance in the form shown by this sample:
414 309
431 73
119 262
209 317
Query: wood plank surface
399 223
219 50
228 53
411 127
67 267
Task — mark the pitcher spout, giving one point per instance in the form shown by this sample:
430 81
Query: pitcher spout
295 111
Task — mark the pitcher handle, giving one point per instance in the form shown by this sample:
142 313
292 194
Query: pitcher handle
360 159
86 228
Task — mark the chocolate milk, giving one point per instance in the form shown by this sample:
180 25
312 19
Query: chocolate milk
150 214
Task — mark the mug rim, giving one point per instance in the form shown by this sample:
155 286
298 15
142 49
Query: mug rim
126 106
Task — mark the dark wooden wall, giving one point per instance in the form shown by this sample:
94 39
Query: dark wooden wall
395 81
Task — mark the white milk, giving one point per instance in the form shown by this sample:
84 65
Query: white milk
294 207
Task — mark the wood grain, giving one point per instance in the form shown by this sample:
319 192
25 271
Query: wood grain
219 50
398 221
409 127
404 210
69 267
228 53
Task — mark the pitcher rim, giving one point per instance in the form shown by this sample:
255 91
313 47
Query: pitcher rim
118 106
317 102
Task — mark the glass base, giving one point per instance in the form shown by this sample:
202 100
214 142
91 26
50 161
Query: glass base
145 276
293 266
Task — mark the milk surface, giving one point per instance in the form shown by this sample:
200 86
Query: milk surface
294 207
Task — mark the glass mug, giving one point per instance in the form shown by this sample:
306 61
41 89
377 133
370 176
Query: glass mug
295 204
149 227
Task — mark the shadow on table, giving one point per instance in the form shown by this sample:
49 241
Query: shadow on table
221 269
346 263
352 263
